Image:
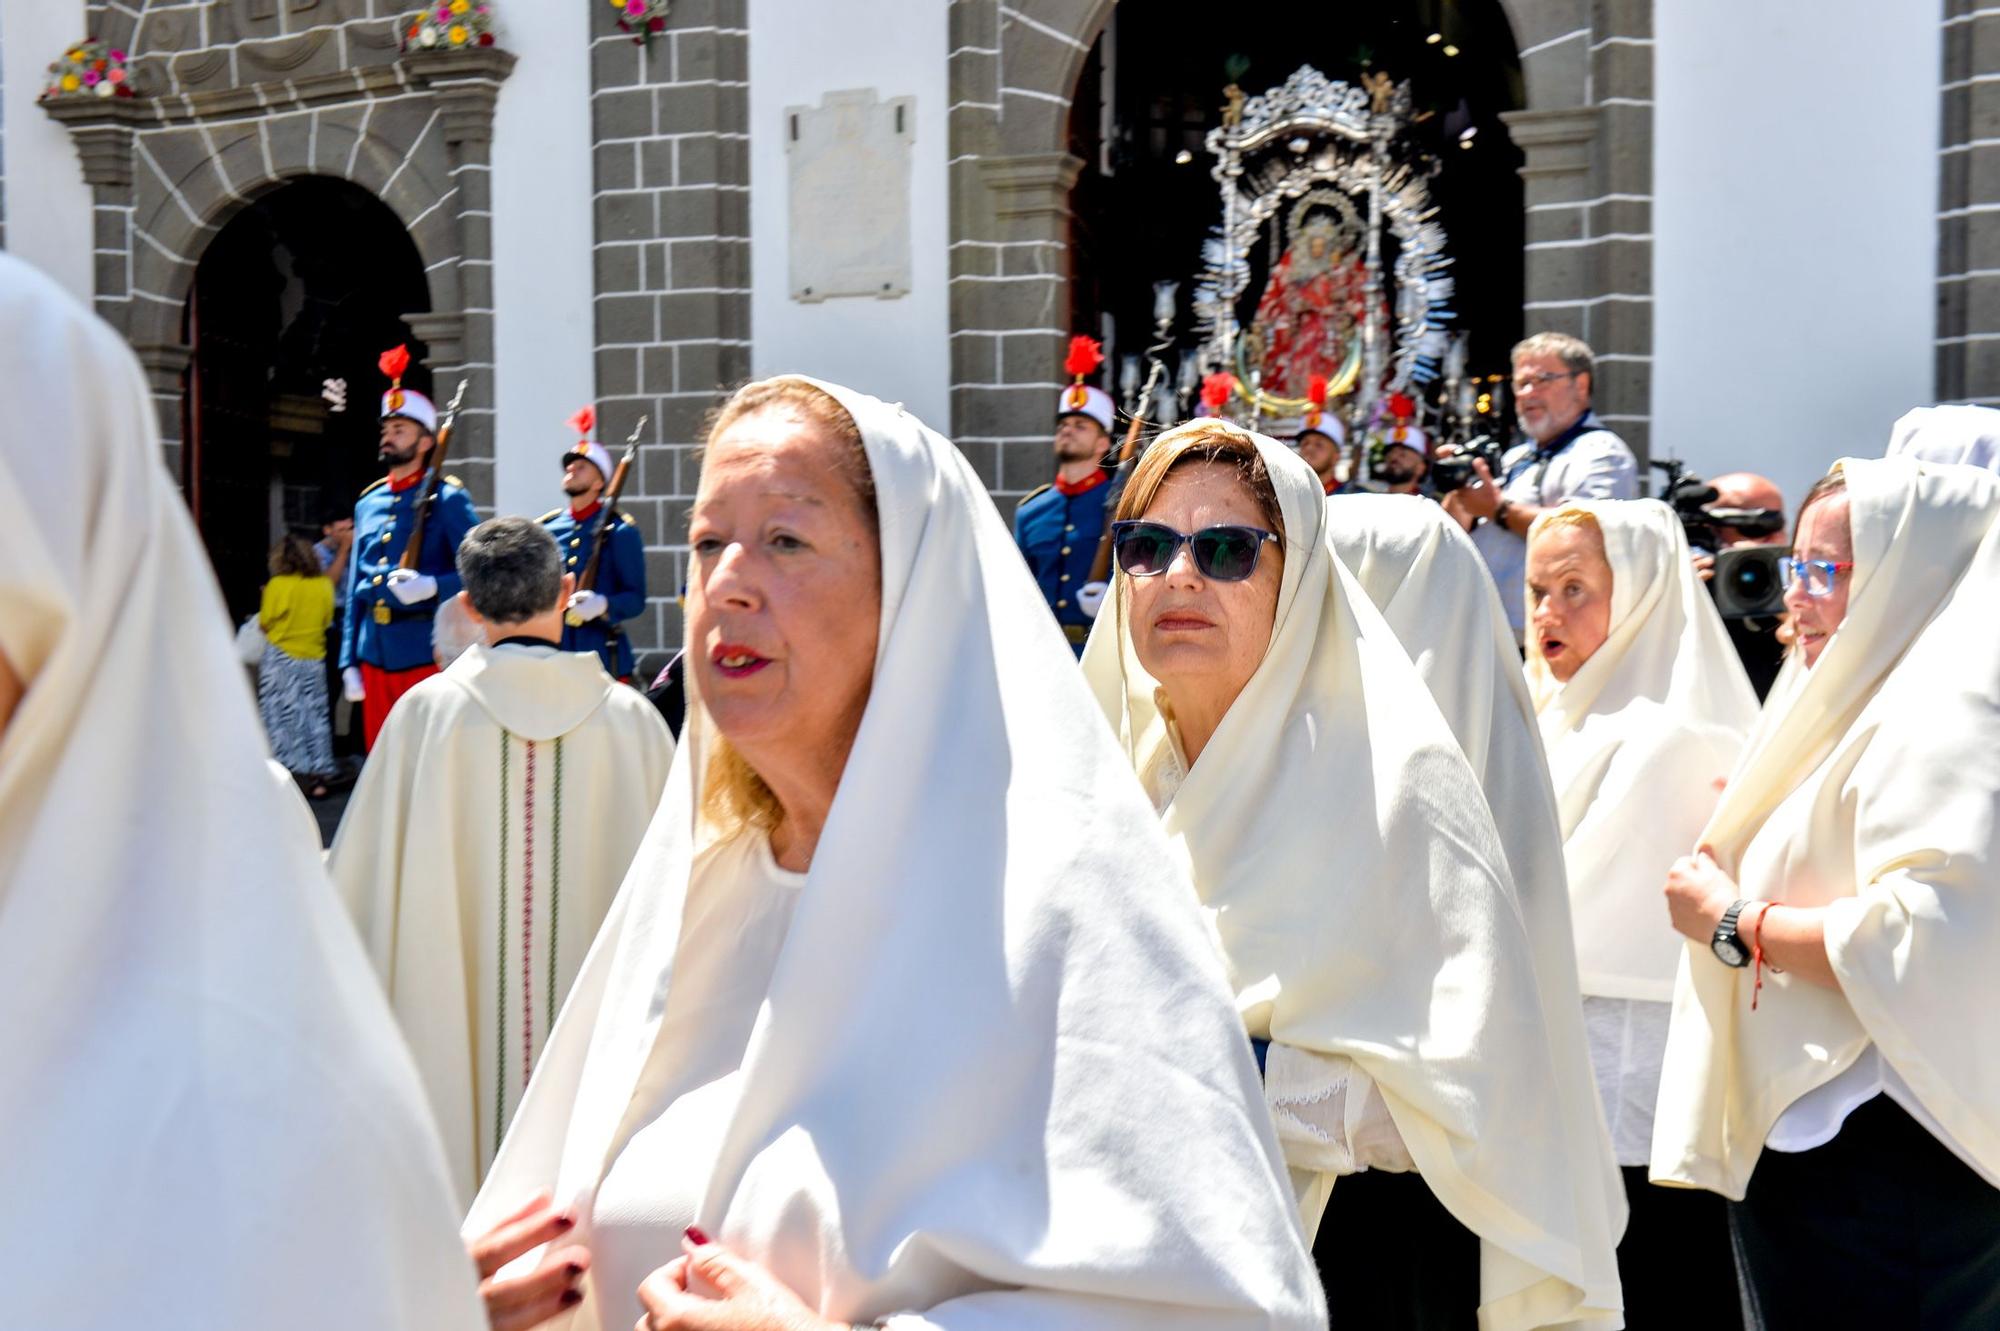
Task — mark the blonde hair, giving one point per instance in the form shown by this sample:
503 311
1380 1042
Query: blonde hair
1579 519
734 797
294 555
1196 442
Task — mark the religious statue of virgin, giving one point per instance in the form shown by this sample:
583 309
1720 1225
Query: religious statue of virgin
1311 308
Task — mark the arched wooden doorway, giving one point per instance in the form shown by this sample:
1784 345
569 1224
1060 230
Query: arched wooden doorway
308 283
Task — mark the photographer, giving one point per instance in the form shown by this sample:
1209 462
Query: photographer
1567 456
1734 512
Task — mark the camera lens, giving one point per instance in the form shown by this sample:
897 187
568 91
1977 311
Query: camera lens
1752 584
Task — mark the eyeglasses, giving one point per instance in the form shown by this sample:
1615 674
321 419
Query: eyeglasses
1541 381
1819 575
1225 554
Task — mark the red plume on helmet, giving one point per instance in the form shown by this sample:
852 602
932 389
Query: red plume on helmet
584 421
1316 395
1401 407
1215 390
393 363
1085 355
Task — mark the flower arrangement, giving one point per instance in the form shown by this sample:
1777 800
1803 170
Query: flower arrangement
642 18
90 69
450 25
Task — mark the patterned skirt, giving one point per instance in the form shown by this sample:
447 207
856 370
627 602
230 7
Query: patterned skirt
291 693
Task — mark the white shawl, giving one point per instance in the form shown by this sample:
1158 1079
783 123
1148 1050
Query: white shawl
1871 787
1638 741
998 1081
1955 433
1342 843
1427 578
210 1119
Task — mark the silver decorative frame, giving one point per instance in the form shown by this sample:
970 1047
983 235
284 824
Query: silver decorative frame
1313 133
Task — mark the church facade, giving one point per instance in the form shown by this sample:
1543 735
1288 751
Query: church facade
1772 236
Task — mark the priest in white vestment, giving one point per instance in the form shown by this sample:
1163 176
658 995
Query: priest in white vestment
491 827
210 1122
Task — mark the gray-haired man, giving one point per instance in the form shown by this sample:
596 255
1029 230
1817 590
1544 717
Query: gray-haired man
1568 455
495 819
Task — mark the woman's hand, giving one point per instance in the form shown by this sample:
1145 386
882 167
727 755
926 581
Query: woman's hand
746 1297
517 1303
1698 892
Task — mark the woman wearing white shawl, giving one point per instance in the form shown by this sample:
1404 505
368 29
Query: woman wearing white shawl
1340 842
946 1049
1644 708
211 1122
1427 578
1852 1108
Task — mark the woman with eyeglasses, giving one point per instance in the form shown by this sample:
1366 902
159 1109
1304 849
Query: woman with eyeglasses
1833 1067
1342 847
1643 708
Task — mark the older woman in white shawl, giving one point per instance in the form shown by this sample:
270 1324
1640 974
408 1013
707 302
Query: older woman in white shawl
1342 846
905 1003
210 1120
1833 1066
1644 708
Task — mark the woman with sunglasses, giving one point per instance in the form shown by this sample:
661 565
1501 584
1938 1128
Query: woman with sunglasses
1832 1067
1340 842
1643 708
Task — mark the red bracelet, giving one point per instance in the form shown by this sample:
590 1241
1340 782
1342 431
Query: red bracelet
1757 955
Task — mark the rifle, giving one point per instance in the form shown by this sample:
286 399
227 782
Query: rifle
1128 457
415 546
587 581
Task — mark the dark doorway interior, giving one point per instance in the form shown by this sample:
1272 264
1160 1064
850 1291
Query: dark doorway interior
1151 89
311 282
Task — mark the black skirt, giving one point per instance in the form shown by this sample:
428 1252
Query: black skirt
1390 1255
1674 1263
1882 1227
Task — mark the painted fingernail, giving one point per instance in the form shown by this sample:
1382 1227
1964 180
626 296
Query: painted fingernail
571 1297
696 1237
573 1270
565 1222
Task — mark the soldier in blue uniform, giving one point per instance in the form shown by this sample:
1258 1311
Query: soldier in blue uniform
385 641
1058 525
595 614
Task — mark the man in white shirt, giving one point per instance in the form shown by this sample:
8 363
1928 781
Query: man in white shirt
1567 455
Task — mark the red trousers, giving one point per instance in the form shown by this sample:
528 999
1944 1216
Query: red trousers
379 690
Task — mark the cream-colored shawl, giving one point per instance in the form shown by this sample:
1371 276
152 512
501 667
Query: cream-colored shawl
1428 579
1871 787
1956 432
210 1121
1639 741
498 813
997 1081
1341 842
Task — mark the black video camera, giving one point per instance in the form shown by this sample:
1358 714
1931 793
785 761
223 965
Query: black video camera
1455 472
1746 583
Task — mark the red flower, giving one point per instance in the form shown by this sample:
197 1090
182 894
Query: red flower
486 39
656 25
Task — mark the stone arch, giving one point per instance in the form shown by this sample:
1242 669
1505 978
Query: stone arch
1586 134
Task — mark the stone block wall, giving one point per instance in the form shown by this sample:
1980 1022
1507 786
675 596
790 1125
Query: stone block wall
671 176
1968 282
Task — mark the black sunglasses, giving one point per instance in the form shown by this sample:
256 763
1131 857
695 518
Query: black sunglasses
1226 554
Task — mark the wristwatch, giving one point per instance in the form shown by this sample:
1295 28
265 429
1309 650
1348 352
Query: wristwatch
1728 948
1500 513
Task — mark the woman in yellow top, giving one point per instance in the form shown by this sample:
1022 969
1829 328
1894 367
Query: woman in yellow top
291 679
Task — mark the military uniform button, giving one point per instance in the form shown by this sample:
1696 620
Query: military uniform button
1071 527
1065 577
1062 605
1065 549
378 579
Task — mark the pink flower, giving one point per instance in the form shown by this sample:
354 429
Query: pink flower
444 13
90 77
635 7
118 55
116 76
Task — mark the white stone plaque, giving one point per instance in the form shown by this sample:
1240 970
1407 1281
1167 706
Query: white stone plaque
850 195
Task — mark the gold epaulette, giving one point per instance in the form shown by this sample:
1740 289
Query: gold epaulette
450 479
1032 493
549 516
373 488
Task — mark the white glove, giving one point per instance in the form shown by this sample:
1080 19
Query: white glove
1090 599
587 605
409 586
350 684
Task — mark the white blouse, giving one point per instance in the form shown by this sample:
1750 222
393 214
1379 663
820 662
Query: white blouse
739 909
